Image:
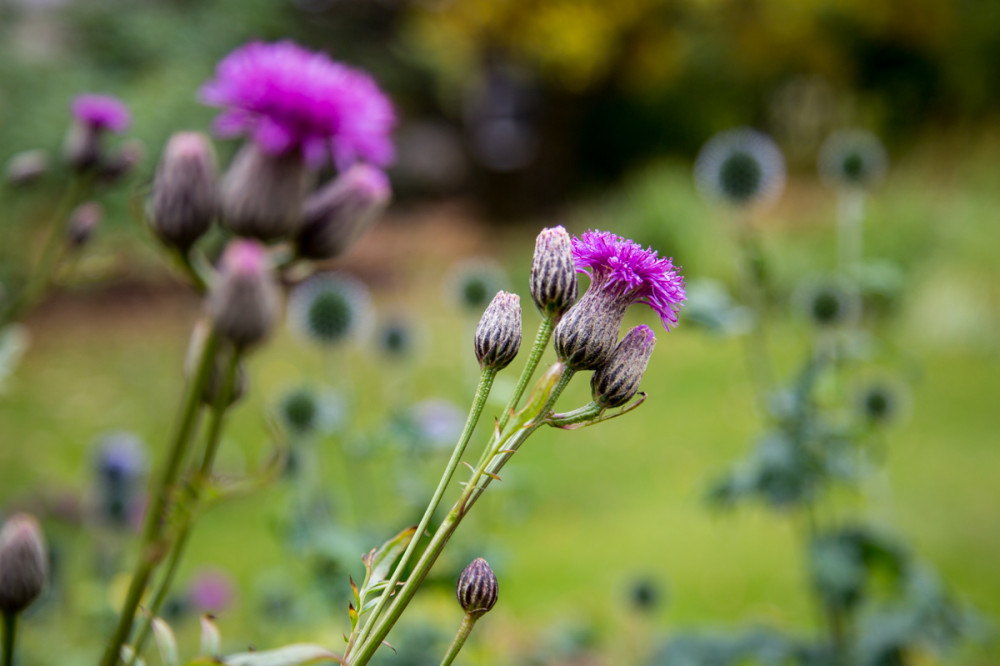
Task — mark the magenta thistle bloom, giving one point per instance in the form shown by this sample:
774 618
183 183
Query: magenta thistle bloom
290 99
624 271
101 112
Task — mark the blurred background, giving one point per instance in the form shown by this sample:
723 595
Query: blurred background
516 115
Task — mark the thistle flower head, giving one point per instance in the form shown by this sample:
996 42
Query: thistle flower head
740 167
24 564
553 272
617 382
853 159
330 308
477 588
498 335
101 112
244 301
289 99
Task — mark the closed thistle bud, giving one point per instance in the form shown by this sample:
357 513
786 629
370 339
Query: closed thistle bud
24 565
617 382
587 335
243 303
477 588
82 222
27 167
553 273
124 162
498 335
262 194
339 213
185 191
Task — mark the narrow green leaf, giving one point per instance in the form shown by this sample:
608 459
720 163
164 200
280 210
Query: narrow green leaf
388 553
166 642
290 655
210 638
127 655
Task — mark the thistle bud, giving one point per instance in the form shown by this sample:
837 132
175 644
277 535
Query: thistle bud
82 222
243 303
185 193
124 163
27 167
262 194
617 382
94 115
24 565
498 335
338 214
586 336
477 588
553 273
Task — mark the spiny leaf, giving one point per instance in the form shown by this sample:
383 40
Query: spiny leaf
492 476
469 466
290 655
210 638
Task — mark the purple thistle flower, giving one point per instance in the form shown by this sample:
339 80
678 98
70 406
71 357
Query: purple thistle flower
101 112
290 99
624 271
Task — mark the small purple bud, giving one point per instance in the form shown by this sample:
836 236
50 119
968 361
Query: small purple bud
586 337
262 194
243 303
26 167
94 115
82 222
124 163
185 193
339 213
477 588
617 382
553 273
24 565
498 335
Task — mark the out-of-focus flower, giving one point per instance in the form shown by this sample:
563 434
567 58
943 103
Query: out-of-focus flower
93 115
82 222
740 167
853 159
473 283
185 190
826 303
243 303
121 464
26 167
289 99
211 591
438 421
330 308
24 563
621 273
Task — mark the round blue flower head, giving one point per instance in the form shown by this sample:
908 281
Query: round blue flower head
621 273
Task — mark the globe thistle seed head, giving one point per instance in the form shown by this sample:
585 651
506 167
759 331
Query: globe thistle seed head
261 195
82 222
853 159
243 302
93 115
740 167
26 167
330 308
24 564
300 410
553 273
498 335
617 382
396 338
340 212
121 464
471 284
827 304
881 402
477 588
185 196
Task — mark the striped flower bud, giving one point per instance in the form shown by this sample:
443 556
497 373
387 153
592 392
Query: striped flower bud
26 167
498 335
24 565
477 587
339 213
82 222
185 190
553 273
262 194
586 337
243 303
617 382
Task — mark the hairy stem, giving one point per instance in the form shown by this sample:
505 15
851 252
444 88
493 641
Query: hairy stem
464 630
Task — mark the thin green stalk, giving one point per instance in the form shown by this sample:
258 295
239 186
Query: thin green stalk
213 438
151 546
9 633
478 403
541 342
756 350
464 630
529 419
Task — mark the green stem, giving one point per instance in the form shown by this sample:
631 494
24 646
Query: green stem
541 342
152 548
478 403
756 346
504 444
213 438
9 632
464 630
